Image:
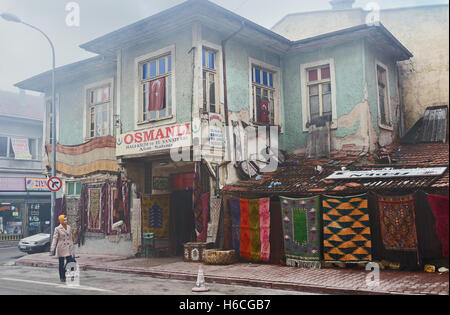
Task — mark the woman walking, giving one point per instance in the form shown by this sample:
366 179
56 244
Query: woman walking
62 246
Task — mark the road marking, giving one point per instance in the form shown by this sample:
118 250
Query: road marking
57 285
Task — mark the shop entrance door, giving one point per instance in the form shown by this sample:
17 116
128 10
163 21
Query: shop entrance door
182 220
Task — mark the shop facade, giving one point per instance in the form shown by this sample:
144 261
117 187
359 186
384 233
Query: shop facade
24 207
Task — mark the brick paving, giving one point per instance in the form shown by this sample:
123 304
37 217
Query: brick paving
333 281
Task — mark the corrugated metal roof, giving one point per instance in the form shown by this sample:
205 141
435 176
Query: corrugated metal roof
435 124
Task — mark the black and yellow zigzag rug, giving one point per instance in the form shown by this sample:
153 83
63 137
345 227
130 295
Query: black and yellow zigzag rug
346 229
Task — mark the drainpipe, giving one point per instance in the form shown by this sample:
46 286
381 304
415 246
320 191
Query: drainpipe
224 42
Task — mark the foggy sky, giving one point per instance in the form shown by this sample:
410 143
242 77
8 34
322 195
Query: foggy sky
24 52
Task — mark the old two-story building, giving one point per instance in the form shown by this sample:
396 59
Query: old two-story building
423 29
24 195
154 105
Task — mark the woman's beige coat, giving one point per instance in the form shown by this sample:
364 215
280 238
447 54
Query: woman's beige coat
63 241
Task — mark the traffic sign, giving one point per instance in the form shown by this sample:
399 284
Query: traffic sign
54 184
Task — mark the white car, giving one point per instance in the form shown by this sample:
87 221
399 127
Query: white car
35 244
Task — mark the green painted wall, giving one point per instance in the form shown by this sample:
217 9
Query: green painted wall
349 71
371 55
238 67
72 100
183 76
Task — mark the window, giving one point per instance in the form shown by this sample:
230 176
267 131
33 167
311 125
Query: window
32 144
264 95
4 146
99 111
73 188
156 88
319 93
383 96
210 82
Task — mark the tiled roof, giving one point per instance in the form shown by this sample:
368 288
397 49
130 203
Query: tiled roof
300 176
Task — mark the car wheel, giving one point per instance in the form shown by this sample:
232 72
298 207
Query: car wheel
47 247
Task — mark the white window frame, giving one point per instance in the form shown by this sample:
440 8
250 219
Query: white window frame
305 92
220 93
388 96
139 124
66 188
276 86
87 105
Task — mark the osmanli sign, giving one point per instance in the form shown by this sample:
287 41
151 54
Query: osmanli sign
155 139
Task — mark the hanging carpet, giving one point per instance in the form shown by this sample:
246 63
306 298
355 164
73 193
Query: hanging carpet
245 229
236 224
203 219
156 215
301 226
255 236
440 208
264 228
346 229
398 222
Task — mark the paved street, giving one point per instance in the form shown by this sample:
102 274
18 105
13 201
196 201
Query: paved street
20 280
17 280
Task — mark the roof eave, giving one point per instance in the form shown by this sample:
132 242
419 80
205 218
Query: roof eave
404 53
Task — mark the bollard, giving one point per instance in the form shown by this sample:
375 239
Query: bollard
200 285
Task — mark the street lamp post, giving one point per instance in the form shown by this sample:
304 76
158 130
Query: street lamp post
12 18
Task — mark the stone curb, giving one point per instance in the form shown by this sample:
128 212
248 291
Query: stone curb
278 285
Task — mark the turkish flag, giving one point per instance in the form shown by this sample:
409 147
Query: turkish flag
157 94
264 107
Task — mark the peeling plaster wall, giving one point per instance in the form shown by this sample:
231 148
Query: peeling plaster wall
360 130
425 78
72 102
348 60
423 30
372 55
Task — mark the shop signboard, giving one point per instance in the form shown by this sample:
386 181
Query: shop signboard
388 173
12 184
36 184
161 183
21 149
216 131
154 140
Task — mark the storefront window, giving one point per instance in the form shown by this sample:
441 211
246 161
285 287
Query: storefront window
38 218
10 220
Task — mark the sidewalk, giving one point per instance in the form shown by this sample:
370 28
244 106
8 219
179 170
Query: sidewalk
331 281
4 244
